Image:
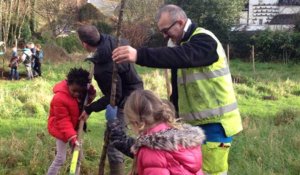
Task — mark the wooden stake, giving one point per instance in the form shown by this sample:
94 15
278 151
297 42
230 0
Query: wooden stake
167 83
113 92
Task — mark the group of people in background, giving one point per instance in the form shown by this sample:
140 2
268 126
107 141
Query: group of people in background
31 56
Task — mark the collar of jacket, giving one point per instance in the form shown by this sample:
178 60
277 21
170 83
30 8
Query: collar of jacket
171 139
189 32
103 53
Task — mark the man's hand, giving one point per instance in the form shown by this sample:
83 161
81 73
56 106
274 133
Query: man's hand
91 94
124 54
111 113
84 116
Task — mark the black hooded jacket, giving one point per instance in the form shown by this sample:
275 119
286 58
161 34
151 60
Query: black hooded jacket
128 79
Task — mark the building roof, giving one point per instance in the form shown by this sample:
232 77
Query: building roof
288 2
285 19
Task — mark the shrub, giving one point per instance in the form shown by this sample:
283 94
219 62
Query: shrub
269 45
240 43
70 43
104 27
136 33
277 46
89 12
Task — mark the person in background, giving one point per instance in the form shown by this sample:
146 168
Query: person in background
202 89
64 113
13 64
39 56
32 48
26 59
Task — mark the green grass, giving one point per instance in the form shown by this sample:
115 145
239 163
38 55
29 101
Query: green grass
269 101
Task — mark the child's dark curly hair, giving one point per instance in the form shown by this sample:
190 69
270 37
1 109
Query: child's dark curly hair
78 76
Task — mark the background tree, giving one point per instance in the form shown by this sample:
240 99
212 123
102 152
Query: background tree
215 15
297 24
32 21
60 16
7 16
13 15
139 20
1 12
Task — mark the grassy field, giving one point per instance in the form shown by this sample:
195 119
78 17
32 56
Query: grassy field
269 101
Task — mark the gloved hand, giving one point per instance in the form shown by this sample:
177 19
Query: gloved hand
119 139
74 142
111 113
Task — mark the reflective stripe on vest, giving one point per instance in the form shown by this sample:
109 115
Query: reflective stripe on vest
208 113
206 92
203 75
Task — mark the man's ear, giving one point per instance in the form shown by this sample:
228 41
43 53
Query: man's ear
181 22
84 44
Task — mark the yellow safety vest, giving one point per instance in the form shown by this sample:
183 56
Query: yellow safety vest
206 93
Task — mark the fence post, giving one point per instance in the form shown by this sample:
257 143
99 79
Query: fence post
228 54
253 58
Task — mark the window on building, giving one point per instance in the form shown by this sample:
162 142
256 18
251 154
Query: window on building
260 21
260 1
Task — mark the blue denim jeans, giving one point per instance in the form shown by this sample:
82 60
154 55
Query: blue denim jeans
14 74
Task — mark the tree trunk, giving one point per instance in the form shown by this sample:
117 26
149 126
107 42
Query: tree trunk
15 34
1 21
7 20
32 16
26 9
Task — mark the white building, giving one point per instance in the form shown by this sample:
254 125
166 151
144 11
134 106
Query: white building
258 15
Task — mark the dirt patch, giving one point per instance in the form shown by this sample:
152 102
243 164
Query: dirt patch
286 117
4 75
270 97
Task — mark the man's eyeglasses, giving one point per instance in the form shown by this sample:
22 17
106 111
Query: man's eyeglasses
166 30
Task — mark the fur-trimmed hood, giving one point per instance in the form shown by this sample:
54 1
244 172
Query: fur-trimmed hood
171 139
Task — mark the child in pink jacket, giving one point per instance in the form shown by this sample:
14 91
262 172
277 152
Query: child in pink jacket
164 146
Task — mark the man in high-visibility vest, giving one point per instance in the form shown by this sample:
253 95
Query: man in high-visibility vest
201 82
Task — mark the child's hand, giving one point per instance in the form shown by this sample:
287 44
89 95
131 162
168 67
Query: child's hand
111 113
84 116
74 142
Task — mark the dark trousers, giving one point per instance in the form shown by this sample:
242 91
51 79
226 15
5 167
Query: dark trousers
37 68
14 74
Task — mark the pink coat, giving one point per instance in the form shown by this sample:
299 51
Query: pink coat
166 151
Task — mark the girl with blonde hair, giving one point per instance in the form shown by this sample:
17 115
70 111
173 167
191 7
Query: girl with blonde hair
164 146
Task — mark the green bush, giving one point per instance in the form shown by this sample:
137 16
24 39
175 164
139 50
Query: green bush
277 46
26 32
240 44
71 43
89 12
103 27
